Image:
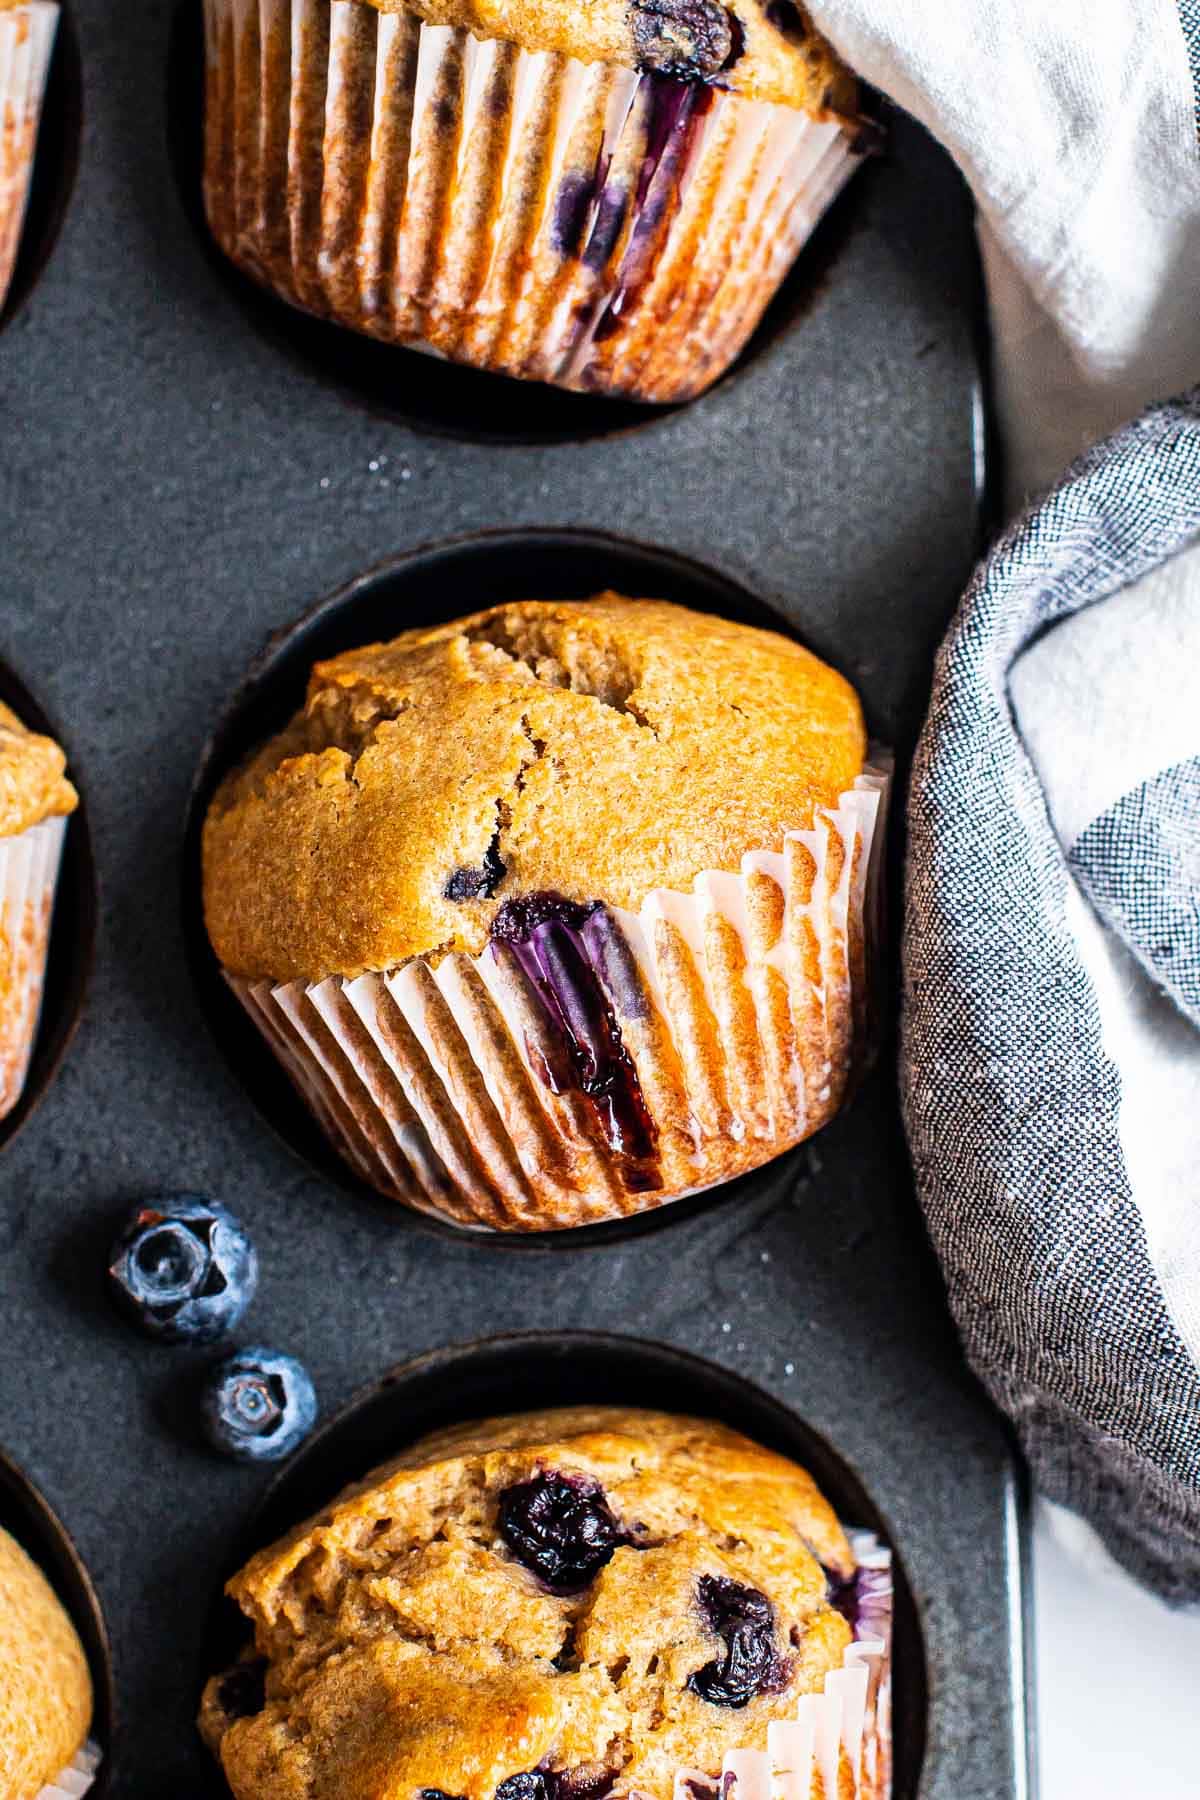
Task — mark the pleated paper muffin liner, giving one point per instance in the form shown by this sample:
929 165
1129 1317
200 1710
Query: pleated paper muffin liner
75 1780
26 44
29 865
605 1061
839 1745
525 212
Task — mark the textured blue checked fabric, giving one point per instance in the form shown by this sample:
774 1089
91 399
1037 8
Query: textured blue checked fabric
1139 864
1011 1104
1189 15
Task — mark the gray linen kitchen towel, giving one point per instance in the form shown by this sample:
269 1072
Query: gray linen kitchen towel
1051 1029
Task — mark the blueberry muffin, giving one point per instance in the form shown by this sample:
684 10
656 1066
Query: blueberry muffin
45 1688
602 196
558 911
552 1606
35 801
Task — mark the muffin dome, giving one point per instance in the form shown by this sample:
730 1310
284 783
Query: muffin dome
765 49
595 749
45 1688
537 1604
33 785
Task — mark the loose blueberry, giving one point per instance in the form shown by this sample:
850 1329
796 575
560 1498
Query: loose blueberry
562 1528
183 1269
750 1664
243 1692
258 1405
439 1794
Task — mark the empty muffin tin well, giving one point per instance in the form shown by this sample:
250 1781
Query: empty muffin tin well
422 390
54 170
530 1370
72 939
429 586
29 1517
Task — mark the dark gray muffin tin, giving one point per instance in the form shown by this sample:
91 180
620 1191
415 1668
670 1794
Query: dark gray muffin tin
186 472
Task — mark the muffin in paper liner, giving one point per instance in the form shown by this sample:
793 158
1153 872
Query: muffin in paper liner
75 1780
29 864
26 43
605 1061
840 1742
522 211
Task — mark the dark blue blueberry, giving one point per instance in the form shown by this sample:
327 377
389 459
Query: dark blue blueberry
750 1662
258 1405
480 883
688 40
183 1269
561 1528
587 1783
243 1691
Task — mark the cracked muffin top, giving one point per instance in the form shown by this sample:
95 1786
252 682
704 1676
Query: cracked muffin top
596 749
552 1606
45 1688
33 786
765 49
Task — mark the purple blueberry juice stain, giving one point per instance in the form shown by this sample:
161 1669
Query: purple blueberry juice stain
749 1663
845 1595
561 1528
548 937
674 110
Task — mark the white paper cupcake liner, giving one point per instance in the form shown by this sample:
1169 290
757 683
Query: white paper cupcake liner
525 212
743 1008
75 1780
29 866
26 44
839 1745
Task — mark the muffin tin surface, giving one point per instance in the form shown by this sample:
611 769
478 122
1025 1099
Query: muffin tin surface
176 490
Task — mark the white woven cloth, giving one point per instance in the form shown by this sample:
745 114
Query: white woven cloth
1075 126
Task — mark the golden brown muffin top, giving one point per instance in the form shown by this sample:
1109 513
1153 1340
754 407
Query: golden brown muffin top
33 786
45 1688
409 1643
597 749
765 49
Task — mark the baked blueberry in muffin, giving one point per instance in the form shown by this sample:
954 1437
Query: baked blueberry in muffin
551 1606
558 911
